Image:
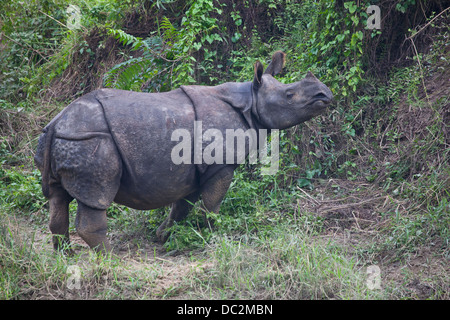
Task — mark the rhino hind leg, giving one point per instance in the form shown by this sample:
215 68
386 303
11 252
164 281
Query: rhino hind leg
59 217
88 170
91 225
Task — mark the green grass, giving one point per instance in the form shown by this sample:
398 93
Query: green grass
284 263
21 190
22 269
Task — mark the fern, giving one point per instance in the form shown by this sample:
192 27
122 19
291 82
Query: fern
166 60
126 39
135 72
171 34
123 75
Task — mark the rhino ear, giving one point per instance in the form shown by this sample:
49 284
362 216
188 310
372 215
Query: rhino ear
311 75
259 69
277 63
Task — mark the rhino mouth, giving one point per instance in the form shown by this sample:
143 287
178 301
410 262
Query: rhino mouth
321 97
320 102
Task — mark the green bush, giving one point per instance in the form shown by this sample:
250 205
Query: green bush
21 190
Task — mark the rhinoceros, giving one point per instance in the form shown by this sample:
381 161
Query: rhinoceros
113 145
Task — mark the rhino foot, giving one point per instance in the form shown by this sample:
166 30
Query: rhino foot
91 225
162 233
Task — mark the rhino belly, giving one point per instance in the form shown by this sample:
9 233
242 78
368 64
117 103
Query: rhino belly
158 187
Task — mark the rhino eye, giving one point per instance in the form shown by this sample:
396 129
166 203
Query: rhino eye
289 95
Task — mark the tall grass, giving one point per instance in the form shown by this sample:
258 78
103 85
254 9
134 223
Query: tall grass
30 269
23 271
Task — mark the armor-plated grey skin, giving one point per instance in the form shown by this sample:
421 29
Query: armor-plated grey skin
114 145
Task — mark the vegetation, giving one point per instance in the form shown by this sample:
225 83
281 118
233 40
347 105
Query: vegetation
366 184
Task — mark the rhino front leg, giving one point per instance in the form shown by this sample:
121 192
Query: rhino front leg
178 212
91 226
214 190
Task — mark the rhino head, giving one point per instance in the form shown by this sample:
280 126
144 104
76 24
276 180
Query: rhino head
280 106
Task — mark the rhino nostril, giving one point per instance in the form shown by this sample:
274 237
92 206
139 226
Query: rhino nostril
321 96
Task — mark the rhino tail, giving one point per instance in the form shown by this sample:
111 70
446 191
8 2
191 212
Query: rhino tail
48 134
